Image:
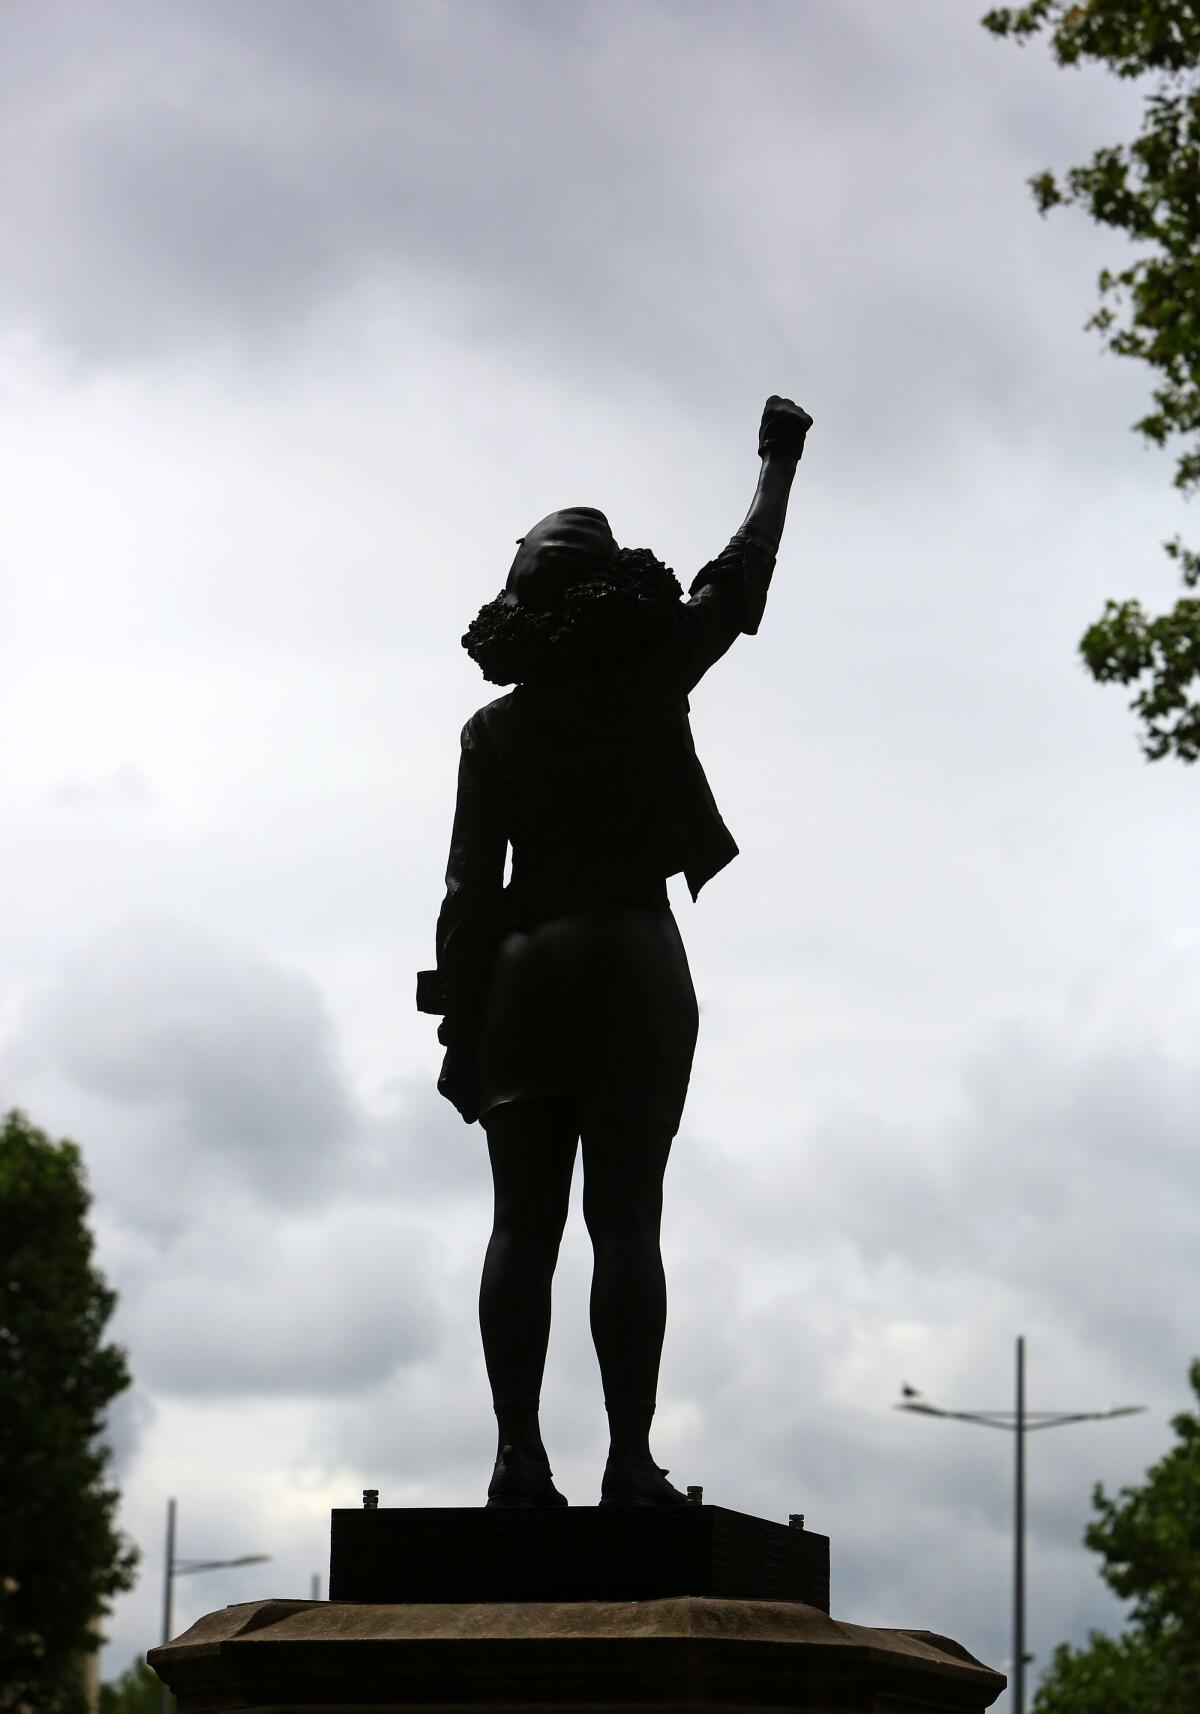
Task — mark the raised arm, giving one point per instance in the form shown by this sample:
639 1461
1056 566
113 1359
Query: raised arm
729 594
780 444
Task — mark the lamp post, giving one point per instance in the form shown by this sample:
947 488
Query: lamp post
173 1568
1019 1421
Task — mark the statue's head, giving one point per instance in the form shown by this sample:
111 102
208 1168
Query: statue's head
575 605
566 547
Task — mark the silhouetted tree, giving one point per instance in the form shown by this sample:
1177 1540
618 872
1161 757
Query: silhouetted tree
137 1691
61 1558
1149 190
1149 1539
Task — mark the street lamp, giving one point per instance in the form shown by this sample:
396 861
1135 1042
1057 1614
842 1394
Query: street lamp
173 1568
1019 1422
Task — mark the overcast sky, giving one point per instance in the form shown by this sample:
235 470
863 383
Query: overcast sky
306 312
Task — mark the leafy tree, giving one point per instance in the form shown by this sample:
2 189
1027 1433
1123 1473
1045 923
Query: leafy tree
60 1556
137 1691
1149 1539
1149 190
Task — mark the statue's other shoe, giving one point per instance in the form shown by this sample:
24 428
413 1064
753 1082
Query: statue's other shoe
522 1481
637 1482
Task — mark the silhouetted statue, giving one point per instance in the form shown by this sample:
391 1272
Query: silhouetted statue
569 1013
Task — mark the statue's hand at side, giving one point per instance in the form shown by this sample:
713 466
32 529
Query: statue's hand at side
783 428
458 1082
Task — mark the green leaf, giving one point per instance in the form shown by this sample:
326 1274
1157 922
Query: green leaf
61 1558
1148 191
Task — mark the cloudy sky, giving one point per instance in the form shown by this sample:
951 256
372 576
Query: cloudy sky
306 312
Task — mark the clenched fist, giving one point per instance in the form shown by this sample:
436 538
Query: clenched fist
783 428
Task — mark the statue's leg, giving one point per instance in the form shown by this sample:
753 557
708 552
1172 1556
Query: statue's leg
532 1147
623 1167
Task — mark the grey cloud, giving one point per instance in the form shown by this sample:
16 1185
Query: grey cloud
233 1058
231 167
721 204
199 1075
123 788
265 1234
128 1420
424 1436
415 1142
257 1305
1068 1173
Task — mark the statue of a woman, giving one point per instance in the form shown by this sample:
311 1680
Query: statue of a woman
568 1010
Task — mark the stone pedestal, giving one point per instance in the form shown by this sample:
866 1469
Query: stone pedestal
684 1654
688 1610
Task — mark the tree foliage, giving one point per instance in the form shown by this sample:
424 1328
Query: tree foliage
1148 189
137 1691
60 1556
1149 1540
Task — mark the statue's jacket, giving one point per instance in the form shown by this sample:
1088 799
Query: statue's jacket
596 786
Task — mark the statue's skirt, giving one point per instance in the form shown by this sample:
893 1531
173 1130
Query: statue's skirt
597 1006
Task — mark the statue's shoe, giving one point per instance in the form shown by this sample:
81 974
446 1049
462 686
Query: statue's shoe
637 1482
522 1481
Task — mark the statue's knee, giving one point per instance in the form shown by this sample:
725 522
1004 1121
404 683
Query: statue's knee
534 1232
625 1223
